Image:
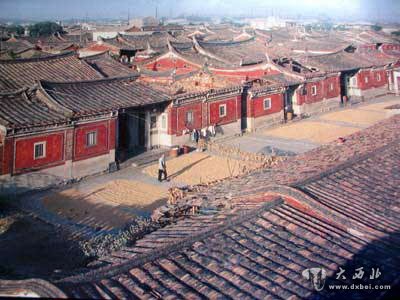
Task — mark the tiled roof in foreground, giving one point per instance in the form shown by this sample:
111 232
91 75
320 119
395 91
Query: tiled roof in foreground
16 74
334 207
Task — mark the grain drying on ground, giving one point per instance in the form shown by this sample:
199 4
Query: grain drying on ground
196 168
102 206
315 132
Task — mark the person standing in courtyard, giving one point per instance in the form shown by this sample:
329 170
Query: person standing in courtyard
162 168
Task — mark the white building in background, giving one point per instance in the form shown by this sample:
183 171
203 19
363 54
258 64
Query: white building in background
108 32
137 22
266 23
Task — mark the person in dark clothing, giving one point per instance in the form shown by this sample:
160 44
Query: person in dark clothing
162 168
196 136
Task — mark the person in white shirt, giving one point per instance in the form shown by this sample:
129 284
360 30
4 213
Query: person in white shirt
162 168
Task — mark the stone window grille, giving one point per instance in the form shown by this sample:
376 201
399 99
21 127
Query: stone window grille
91 139
267 103
39 150
222 110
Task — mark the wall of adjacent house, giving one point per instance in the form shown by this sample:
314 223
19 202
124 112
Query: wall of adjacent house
177 118
259 117
81 149
61 146
255 106
390 47
368 79
205 113
233 111
326 88
24 152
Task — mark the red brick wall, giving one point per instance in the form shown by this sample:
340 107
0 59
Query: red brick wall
256 105
169 64
8 153
179 122
232 111
82 151
335 92
112 134
255 73
177 115
24 152
323 90
372 79
391 47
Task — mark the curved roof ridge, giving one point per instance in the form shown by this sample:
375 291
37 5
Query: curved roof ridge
92 81
38 59
40 287
226 43
104 53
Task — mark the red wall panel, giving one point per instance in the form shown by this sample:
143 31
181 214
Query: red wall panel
257 105
323 90
169 64
24 151
112 131
231 111
372 81
83 151
181 117
335 91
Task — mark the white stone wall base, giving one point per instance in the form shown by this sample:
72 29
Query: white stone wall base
17 184
317 107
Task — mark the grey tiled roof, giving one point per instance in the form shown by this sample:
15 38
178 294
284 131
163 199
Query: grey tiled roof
23 109
15 74
103 95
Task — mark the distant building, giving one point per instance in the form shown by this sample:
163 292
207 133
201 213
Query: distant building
266 23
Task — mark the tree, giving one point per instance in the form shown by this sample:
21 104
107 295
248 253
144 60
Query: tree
15 29
396 33
376 27
44 29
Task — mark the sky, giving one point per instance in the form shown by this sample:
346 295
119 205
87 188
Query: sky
95 9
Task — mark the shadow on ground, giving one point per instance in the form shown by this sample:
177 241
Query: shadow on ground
30 248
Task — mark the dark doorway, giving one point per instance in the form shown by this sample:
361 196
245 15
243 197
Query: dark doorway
288 101
142 129
131 134
244 108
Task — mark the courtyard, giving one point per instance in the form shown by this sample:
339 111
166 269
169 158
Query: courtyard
110 201
304 135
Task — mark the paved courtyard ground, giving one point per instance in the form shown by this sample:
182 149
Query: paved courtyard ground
302 136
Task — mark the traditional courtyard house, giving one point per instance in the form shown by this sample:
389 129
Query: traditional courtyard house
107 65
140 110
43 142
199 100
170 60
236 60
98 47
265 104
308 90
14 48
362 75
118 47
246 59
21 73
